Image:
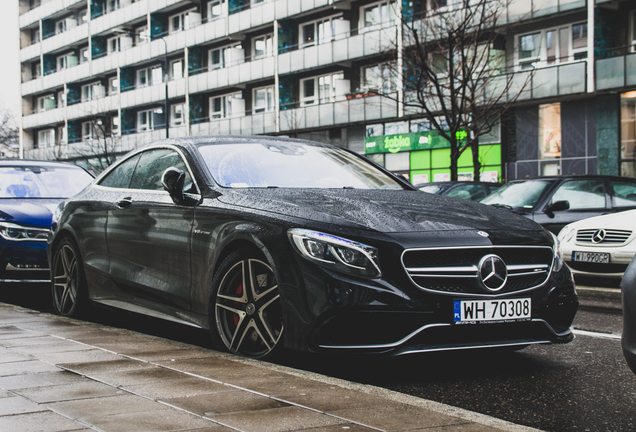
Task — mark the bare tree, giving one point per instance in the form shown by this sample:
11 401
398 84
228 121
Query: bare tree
453 71
8 129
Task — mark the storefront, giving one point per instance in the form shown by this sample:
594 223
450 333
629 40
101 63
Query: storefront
424 157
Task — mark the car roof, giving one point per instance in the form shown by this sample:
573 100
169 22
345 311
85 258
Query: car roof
575 176
197 141
40 163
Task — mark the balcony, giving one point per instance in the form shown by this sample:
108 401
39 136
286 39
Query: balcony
57 79
44 118
616 72
120 17
46 9
362 109
531 9
558 80
231 76
152 94
345 49
63 40
30 53
257 123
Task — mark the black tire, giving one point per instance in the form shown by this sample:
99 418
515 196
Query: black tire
246 321
68 283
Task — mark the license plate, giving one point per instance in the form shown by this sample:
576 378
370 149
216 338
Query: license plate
502 310
593 257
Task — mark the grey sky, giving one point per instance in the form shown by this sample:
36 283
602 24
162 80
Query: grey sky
9 53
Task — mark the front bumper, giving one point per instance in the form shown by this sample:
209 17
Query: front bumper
382 316
620 257
24 262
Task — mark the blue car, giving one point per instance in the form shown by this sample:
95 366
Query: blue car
29 194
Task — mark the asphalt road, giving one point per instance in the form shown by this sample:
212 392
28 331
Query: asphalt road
581 386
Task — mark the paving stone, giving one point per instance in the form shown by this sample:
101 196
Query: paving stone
163 420
31 341
98 409
78 390
467 427
147 375
61 346
85 356
395 416
26 367
226 402
179 388
18 405
277 420
8 356
46 421
118 364
38 380
172 354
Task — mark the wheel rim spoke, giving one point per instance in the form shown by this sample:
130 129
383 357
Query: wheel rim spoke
239 335
65 282
264 322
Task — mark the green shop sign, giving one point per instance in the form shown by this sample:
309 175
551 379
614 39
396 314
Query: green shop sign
406 142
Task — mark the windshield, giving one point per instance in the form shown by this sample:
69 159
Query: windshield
434 189
523 194
291 165
42 182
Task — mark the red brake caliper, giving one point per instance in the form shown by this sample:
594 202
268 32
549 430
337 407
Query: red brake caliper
239 293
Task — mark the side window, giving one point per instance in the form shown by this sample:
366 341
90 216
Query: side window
582 194
120 176
151 166
493 188
624 193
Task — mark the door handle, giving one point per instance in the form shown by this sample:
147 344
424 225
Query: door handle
124 203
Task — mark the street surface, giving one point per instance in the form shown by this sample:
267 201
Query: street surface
581 386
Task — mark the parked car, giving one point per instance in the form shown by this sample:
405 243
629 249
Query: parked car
600 246
557 201
628 338
469 190
271 242
29 193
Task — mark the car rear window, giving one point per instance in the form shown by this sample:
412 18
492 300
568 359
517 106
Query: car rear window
42 182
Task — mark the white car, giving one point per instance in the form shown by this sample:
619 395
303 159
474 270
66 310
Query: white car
600 246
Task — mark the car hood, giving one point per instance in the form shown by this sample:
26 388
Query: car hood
30 212
387 211
621 220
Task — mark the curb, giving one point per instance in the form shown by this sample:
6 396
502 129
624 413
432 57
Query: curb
598 298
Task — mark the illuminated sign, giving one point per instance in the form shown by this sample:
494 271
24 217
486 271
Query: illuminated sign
407 142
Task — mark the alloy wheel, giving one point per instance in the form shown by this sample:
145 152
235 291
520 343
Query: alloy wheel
247 309
65 281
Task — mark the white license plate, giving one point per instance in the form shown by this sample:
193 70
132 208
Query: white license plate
593 257
519 309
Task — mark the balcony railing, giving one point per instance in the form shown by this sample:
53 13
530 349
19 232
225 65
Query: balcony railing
619 70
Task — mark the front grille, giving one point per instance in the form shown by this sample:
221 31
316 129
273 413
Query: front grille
455 271
597 267
609 236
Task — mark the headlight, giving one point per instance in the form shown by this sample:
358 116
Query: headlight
566 234
557 264
14 232
336 253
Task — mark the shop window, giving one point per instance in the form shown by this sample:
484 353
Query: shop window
375 130
377 158
550 131
628 135
397 161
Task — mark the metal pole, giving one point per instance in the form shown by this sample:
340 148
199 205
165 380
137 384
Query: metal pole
166 74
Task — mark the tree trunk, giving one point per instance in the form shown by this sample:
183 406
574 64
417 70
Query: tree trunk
474 147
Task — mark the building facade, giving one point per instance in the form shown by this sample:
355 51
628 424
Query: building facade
106 76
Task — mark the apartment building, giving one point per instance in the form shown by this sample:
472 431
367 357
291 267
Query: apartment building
111 75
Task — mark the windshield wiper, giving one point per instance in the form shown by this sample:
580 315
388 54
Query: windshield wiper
498 205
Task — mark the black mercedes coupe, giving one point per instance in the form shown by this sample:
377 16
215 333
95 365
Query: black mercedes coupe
271 242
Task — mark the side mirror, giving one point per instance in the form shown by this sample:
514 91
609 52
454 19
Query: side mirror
173 180
558 206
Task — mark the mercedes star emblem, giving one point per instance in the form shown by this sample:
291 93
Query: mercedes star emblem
598 236
493 272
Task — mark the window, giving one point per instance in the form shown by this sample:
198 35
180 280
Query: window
226 56
92 91
143 35
83 16
46 103
182 21
151 166
149 76
632 30
319 89
145 120
582 194
264 99
88 131
66 61
61 98
379 78
177 114
624 193
84 55
46 138
176 69
120 177
550 131
321 31
551 46
36 70
35 36
60 26
628 134
114 125
230 105
113 86
216 9
263 46
378 14
112 5
114 45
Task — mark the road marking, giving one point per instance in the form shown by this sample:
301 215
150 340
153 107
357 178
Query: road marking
596 334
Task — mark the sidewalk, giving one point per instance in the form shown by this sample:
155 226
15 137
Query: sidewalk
59 374
603 298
